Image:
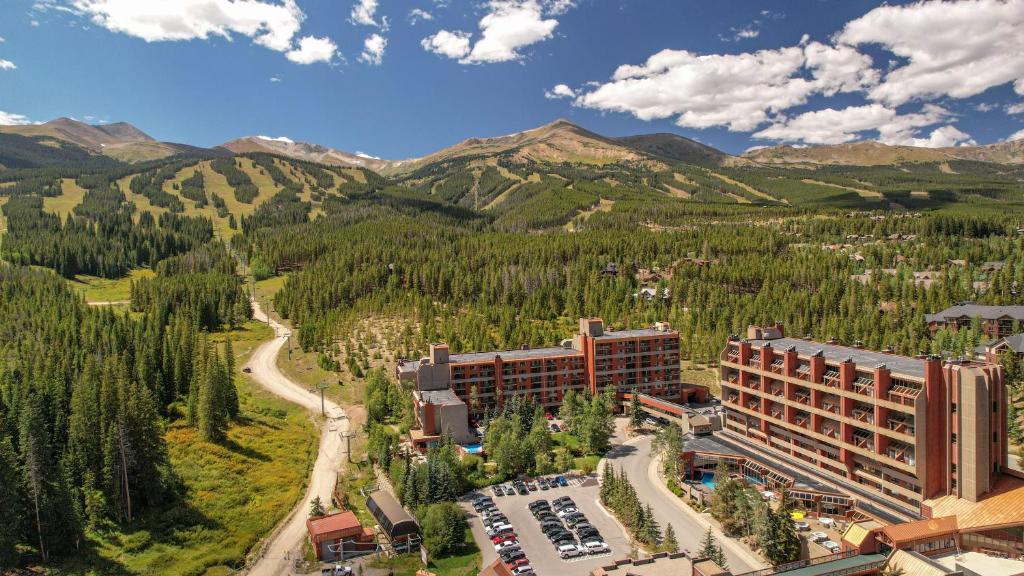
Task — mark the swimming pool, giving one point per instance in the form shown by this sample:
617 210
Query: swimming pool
708 479
473 448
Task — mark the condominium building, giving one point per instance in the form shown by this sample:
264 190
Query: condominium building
645 359
995 321
907 428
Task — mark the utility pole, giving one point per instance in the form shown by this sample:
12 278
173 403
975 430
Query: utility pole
322 386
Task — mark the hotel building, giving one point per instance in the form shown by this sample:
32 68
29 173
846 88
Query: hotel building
594 358
908 429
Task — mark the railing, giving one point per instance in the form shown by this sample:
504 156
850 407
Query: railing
778 367
830 407
778 391
789 567
803 398
864 416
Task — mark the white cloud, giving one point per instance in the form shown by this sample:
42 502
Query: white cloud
373 49
508 26
275 79
831 126
958 49
7 65
269 23
2 40
364 12
734 90
449 44
311 49
284 139
559 91
1017 108
367 156
557 7
12 119
1018 135
419 15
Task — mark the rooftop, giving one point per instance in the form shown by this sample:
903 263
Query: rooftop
444 397
637 333
338 522
835 353
1000 507
519 354
857 532
835 566
927 529
915 564
972 310
981 564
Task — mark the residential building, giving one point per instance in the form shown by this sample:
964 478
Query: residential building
906 429
996 321
645 359
339 536
439 412
992 351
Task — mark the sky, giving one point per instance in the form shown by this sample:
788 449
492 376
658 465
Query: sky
402 78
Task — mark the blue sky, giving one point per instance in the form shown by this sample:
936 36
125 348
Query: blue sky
381 78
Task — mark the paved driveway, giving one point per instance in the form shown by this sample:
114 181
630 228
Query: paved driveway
538 548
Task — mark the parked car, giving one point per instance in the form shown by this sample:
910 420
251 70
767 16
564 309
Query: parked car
517 563
504 538
595 546
247 370
562 481
566 511
591 534
498 490
563 537
507 545
818 537
549 416
552 482
538 504
499 529
566 551
511 555
555 428
495 520
482 502
531 486
521 489
563 502
522 570
801 526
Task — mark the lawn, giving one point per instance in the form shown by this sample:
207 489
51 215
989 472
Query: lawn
71 196
234 493
96 289
464 562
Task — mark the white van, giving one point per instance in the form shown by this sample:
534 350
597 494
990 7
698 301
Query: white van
595 547
566 551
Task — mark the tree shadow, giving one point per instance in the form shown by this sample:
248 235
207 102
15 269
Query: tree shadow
245 450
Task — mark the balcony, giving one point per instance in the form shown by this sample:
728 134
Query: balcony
864 415
733 397
733 355
864 386
863 439
803 398
831 405
830 430
904 393
732 377
776 412
755 361
778 390
778 366
753 404
803 372
901 424
901 452
831 378
754 384
802 420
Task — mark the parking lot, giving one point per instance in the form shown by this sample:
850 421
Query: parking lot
541 553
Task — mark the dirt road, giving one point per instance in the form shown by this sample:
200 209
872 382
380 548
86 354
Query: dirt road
285 544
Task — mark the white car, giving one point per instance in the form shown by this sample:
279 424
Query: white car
831 546
499 529
595 547
523 570
506 545
566 551
818 537
566 511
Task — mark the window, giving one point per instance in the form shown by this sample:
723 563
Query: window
953 408
953 437
995 407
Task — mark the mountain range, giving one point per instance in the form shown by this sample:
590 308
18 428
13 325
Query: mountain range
557 142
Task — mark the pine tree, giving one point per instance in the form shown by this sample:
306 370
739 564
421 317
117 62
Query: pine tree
10 501
670 544
316 507
636 412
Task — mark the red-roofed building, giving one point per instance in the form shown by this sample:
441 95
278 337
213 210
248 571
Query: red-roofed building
338 536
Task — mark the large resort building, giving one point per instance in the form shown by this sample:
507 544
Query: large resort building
908 429
646 360
995 321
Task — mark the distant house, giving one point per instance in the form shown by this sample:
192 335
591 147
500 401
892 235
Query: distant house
926 278
339 536
992 350
993 266
996 321
610 269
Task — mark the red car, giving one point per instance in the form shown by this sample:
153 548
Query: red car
504 538
549 416
517 563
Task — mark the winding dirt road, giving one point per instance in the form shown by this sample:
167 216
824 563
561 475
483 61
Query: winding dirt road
285 544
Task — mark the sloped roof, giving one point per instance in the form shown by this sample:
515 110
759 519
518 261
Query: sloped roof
914 564
971 310
338 522
496 568
927 529
857 532
1000 507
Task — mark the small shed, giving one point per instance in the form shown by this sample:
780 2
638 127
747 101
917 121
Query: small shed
395 522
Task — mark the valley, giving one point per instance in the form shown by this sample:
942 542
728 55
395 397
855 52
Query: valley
491 244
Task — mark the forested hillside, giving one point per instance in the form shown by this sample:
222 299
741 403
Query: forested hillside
490 247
